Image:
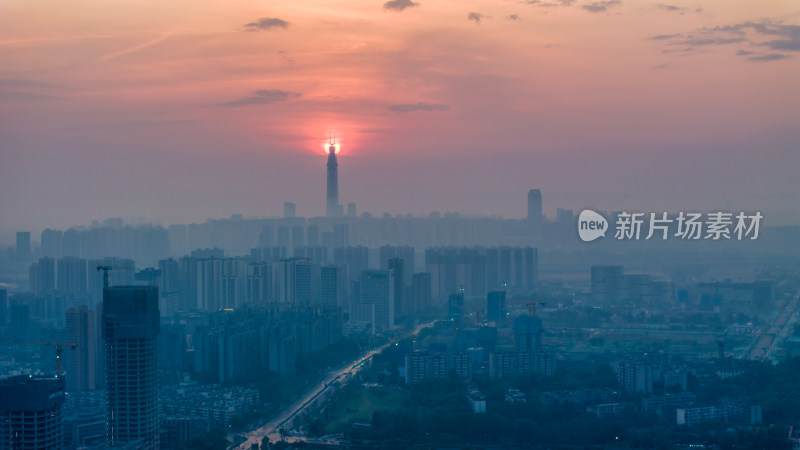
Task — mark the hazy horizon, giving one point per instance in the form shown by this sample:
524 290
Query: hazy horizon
178 113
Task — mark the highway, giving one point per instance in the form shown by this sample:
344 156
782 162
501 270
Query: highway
759 350
763 345
343 373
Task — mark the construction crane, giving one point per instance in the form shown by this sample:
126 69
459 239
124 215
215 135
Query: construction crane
106 269
59 346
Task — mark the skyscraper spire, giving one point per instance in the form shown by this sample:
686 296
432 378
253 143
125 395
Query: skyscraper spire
333 207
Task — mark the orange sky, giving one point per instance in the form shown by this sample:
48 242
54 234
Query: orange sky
672 102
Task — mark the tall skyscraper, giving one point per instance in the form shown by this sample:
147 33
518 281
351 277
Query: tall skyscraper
496 305
289 210
71 276
71 243
80 361
420 292
375 288
535 205
23 252
535 211
169 281
30 412
298 281
404 252
209 284
479 270
187 298
51 243
329 285
233 283
356 258
333 208
260 282
100 345
528 333
130 330
398 287
455 305
42 276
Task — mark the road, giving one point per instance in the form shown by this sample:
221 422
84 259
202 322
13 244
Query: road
763 345
349 370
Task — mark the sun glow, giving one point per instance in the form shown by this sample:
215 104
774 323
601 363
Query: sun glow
326 145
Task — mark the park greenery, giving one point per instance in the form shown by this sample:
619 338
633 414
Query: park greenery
435 412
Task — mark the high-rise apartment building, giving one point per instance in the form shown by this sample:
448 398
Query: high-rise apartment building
71 276
80 362
42 276
23 251
31 412
375 289
130 330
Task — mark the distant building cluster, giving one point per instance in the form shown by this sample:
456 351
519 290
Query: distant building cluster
610 286
466 345
729 410
208 405
503 364
480 270
421 365
640 375
145 244
135 312
234 344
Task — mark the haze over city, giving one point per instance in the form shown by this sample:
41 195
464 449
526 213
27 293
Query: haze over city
176 112
399 224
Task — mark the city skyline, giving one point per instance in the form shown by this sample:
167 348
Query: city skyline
237 225
180 112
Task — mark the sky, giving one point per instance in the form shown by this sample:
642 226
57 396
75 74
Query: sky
185 110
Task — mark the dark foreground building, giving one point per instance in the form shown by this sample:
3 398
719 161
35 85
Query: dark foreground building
130 330
30 412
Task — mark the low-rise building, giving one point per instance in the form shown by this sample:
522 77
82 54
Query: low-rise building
514 395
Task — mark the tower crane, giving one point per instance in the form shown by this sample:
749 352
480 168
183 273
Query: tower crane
106 269
59 346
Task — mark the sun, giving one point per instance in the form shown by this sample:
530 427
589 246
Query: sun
326 145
